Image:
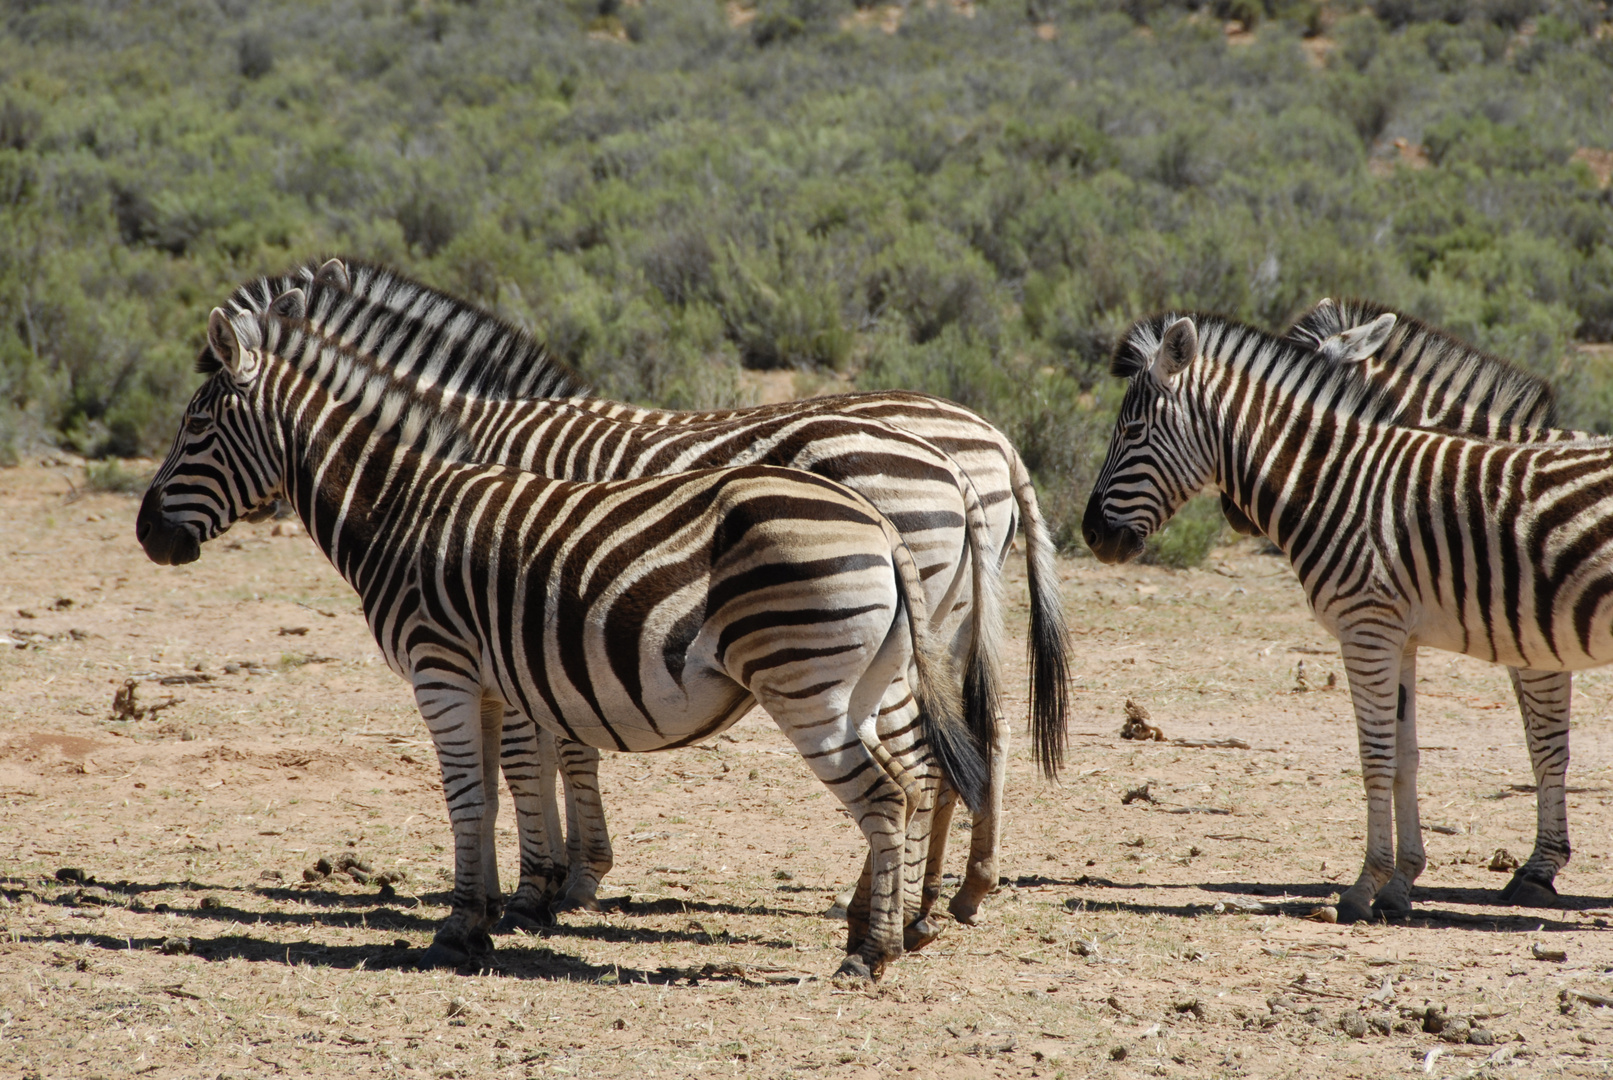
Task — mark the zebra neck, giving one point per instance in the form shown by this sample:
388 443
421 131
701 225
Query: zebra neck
355 491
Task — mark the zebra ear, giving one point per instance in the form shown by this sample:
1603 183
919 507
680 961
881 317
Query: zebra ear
1177 349
292 304
1359 342
222 340
334 272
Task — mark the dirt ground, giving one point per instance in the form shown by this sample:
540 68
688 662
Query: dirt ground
1149 939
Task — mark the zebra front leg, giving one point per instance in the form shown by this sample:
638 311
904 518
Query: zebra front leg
530 760
1545 699
492 730
452 707
1372 661
1394 899
588 849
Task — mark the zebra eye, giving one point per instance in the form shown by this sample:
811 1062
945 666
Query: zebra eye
1134 430
197 423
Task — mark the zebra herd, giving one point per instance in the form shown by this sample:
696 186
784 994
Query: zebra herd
557 574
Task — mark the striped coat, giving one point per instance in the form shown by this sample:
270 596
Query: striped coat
641 614
1402 537
883 445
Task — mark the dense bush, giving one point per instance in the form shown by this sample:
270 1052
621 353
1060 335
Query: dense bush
975 204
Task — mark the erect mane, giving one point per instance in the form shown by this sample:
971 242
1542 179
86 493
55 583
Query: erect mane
1469 379
404 411
476 353
437 339
1287 366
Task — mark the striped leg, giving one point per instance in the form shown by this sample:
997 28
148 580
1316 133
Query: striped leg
588 850
529 759
946 801
985 835
1394 899
453 710
1545 698
1372 657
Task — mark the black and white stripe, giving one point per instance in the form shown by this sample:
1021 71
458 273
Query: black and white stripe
1439 381
636 614
883 445
1401 536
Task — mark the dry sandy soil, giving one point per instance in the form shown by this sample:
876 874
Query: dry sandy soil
199 951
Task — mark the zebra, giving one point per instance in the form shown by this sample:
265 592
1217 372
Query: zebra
639 614
437 340
1439 381
1401 536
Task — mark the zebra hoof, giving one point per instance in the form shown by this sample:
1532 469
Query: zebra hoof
854 970
964 911
1527 892
526 920
1353 911
1390 910
442 955
920 932
577 903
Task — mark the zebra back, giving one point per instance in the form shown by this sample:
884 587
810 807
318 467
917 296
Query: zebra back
1438 380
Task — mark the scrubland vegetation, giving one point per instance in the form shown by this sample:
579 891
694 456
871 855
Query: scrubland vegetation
969 199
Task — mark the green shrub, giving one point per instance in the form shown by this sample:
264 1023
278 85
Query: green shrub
111 477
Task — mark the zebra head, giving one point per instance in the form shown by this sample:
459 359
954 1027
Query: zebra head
1155 461
226 463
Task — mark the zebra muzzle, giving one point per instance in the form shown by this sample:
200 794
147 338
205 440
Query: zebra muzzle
167 542
1109 542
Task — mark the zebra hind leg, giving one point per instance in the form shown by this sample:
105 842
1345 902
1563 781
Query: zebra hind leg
529 759
1545 699
1373 665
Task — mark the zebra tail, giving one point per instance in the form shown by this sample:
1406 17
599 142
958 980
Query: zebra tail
937 692
982 695
1049 644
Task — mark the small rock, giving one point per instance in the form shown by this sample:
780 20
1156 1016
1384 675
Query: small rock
1502 861
1193 1005
1480 1037
175 946
1281 1003
1382 1023
1117 1054
457 1007
1434 1020
1456 1031
1354 1024
209 903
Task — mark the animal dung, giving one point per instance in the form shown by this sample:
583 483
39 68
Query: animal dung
1137 725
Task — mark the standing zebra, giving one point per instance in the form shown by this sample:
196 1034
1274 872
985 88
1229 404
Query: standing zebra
1438 381
638 614
1401 536
880 442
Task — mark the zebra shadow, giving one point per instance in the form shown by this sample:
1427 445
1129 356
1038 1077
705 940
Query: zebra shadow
1300 899
521 961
